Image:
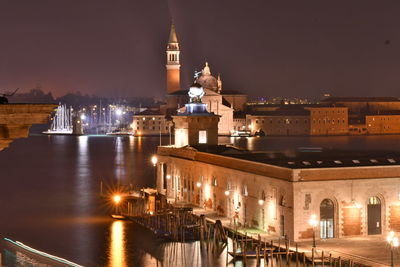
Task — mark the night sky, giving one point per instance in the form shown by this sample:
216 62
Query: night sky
263 48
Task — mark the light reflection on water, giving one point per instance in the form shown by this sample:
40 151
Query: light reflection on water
117 248
50 194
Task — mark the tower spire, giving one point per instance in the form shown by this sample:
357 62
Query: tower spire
172 35
173 64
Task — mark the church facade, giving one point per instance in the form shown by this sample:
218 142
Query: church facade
214 96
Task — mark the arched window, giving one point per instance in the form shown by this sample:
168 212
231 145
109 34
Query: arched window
327 214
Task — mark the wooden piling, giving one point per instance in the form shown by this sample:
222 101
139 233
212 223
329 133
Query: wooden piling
312 257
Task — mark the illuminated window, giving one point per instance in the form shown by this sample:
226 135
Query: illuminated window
391 160
202 137
374 201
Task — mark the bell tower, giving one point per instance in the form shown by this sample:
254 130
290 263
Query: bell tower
173 65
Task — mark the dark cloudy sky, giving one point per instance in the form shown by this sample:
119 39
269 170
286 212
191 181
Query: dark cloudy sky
261 47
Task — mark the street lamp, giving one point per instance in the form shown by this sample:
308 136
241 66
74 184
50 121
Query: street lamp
313 222
117 200
154 160
393 241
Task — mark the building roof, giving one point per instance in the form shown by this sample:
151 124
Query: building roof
319 158
282 112
305 164
361 99
383 113
149 112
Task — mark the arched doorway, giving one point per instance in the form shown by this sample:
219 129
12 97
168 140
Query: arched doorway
327 219
374 216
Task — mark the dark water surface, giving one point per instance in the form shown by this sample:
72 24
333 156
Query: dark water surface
49 194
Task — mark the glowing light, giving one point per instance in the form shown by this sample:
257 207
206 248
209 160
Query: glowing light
198 184
117 199
313 220
83 116
227 193
117 246
168 176
154 160
260 202
139 133
207 191
118 112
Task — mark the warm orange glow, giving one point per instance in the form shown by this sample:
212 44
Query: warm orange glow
117 245
154 160
117 199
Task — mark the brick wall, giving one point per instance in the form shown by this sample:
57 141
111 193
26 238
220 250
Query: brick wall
351 221
394 218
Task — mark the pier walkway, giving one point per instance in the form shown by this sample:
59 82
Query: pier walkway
368 250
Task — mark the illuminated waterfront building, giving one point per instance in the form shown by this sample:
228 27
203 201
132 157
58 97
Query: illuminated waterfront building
350 193
347 193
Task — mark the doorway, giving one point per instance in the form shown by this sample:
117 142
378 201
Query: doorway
327 219
282 225
374 216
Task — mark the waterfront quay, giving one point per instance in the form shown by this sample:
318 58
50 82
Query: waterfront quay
312 196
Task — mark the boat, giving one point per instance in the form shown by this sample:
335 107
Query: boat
241 133
120 133
61 122
118 217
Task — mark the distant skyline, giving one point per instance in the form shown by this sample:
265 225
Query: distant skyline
262 48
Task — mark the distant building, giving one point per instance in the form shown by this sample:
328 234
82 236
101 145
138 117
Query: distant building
292 119
328 120
150 123
370 115
218 101
281 122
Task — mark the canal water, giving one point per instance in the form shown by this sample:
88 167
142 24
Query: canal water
49 195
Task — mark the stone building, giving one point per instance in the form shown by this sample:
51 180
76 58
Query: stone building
281 122
150 123
328 120
299 120
350 193
16 119
383 123
219 101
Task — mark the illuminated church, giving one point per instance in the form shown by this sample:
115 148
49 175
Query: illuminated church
218 101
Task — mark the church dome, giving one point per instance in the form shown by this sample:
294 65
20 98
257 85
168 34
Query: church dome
206 80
